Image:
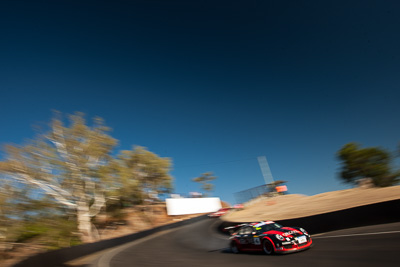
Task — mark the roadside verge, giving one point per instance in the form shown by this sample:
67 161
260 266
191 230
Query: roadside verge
58 257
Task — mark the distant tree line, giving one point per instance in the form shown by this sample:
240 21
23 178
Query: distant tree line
372 163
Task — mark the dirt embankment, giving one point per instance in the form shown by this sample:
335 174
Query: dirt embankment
294 206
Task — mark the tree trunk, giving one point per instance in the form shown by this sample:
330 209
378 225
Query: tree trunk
84 223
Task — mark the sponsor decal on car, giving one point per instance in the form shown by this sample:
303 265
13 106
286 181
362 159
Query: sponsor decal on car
257 241
301 239
290 233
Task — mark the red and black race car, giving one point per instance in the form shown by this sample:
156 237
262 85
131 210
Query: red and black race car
268 237
219 212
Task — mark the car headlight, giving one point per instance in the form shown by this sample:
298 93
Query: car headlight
304 231
279 237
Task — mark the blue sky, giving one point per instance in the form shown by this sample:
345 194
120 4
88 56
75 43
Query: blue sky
211 84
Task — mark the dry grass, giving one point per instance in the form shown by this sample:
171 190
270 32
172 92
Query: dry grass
295 206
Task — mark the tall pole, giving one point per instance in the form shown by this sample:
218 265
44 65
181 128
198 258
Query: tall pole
266 172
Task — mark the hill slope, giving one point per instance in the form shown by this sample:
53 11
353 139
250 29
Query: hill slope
293 206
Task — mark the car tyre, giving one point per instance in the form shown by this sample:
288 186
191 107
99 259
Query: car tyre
234 247
268 248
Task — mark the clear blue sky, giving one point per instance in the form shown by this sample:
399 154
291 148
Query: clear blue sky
208 82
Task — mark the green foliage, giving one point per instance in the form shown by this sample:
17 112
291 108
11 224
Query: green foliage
31 230
370 162
138 172
46 228
205 181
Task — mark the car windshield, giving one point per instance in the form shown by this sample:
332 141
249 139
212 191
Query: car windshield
268 227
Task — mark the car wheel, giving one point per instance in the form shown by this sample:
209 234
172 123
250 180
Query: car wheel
268 247
234 247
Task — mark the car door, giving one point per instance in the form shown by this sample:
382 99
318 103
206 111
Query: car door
256 242
246 237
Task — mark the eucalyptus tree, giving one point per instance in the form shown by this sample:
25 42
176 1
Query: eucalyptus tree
17 206
205 180
371 162
68 163
6 213
140 173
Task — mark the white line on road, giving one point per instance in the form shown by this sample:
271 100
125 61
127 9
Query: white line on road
378 233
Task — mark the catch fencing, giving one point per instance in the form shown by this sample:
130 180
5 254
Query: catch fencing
249 194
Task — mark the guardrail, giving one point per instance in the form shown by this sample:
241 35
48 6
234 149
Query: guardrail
58 257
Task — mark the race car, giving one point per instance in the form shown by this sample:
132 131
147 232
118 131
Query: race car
219 213
268 237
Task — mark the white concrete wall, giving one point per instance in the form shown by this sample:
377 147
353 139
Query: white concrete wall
181 206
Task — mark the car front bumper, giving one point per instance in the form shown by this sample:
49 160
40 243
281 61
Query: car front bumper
282 250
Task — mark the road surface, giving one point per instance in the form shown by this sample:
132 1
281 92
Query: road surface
199 244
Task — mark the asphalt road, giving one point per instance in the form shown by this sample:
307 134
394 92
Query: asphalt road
199 244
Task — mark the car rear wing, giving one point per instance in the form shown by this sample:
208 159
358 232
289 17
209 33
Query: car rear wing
232 229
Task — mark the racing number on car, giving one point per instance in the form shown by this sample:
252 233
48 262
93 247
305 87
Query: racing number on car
257 241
